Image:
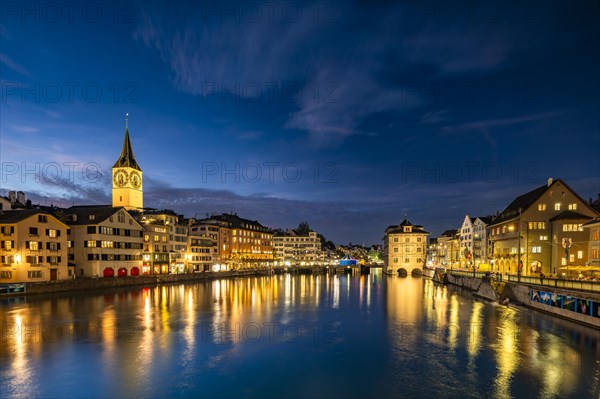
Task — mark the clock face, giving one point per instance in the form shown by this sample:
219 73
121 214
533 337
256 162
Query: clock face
136 180
120 178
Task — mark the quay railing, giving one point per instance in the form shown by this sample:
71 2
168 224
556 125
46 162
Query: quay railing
466 273
576 285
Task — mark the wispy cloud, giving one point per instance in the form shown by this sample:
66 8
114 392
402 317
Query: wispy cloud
6 60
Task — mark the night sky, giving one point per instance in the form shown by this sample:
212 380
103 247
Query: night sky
347 115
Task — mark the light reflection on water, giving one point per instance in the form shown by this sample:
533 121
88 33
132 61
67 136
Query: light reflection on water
293 336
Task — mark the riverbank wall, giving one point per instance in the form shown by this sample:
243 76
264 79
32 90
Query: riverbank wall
529 296
89 284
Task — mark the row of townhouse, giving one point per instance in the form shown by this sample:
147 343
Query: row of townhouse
41 243
107 241
549 230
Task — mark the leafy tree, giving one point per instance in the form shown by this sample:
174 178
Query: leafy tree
303 229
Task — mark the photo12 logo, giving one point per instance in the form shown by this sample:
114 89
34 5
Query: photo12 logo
24 172
271 172
68 92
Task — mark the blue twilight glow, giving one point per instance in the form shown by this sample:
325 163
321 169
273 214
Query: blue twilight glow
348 115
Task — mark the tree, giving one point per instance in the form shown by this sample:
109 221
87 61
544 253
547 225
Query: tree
303 229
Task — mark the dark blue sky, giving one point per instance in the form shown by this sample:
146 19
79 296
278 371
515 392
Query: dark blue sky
348 115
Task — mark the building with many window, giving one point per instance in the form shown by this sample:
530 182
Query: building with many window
105 241
242 243
33 247
165 241
535 229
405 248
473 242
593 231
202 254
291 249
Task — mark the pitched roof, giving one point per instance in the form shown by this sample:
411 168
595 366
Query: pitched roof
485 219
524 201
15 216
233 220
449 233
82 214
127 159
570 215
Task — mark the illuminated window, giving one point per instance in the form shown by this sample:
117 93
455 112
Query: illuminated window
563 261
595 235
543 238
572 258
579 254
34 274
595 253
91 244
33 246
572 207
107 244
557 206
541 207
536 250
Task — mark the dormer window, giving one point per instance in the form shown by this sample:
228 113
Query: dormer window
407 229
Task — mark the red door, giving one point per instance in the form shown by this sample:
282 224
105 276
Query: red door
109 272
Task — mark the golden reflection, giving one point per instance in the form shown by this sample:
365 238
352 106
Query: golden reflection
559 368
507 351
475 329
110 331
336 292
20 370
454 326
145 352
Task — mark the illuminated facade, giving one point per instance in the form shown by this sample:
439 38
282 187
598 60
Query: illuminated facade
127 187
593 231
242 243
203 254
474 242
33 247
165 242
534 226
296 250
105 241
404 247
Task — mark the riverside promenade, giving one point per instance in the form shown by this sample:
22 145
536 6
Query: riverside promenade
574 300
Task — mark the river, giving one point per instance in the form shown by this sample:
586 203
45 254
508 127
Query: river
291 336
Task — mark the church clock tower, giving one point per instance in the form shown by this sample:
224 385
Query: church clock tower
127 177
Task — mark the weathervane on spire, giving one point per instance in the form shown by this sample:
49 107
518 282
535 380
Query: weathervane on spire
127 120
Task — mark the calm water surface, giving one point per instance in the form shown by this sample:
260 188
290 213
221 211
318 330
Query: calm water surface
291 336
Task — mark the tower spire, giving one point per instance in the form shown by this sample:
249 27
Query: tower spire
127 159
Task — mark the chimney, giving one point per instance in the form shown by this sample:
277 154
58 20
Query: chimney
12 196
21 197
549 181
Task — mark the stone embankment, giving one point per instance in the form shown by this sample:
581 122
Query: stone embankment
521 294
89 284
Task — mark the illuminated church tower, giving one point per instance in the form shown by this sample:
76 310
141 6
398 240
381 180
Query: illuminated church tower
127 177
